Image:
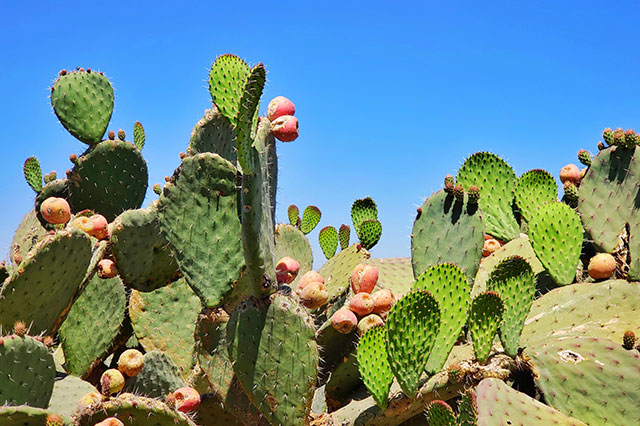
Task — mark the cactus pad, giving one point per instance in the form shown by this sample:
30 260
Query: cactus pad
215 134
24 415
439 413
247 112
369 233
293 214
291 242
33 173
139 137
328 239
26 236
344 234
67 393
485 317
394 273
337 271
533 189
310 219
374 366
361 210
227 79
158 377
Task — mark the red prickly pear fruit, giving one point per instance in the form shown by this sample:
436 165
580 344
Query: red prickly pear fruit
364 278
344 320
55 210
371 320
107 269
186 399
111 381
383 300
314 295
280 106
361 304
490 245
100 227
602 266
131 362
309 277
111 421
285 128
287 270
570 173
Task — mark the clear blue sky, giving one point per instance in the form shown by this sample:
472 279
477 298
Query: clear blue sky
391 96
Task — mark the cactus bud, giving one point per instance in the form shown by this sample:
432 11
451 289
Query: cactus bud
584 157
628 340
474 194
618 137
607 135
73 158
111 135
448 184
182 155
62 72
601 146
630 139
20 328
458 192
157 189
121 134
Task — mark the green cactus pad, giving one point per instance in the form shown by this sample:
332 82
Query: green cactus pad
293 213
496 180
310 219
501 405
594 380
67 393
56 188
141 252
215 134
335 347
439 413
448 285
344 234
245 124
447 230
33 173
361 210
412 326
328 239
468 409
533 189
158 377
206 242
485 317
394 273
83 102
343 382
26 236
293 243
24 415
109 179
369 233
337 271
165 319
92 324
55 266
556 236
277 372
514 281
374 366
139 137
227 79
132 411
608 202
27 372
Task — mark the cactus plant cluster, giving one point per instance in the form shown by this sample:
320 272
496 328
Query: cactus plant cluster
514 308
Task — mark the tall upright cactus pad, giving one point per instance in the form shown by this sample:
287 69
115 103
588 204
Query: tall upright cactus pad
27 372
556 236
594 380
328 239
448 285
83 102
533 189
496 180
33 173
141 252
227 80
337 271
344 233
165 319
374 365
293 214
412 327
293 243
214 133
92 324
485 317
109 179
501 405
139 137
468 409
363 209
608 200
26 236
245 126
310 219
514 281
447 230
206 242
277 372
159 376
58 264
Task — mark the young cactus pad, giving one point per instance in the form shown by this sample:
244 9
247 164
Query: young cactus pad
374 366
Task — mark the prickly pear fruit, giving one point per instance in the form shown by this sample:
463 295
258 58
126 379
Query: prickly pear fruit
383 300
287 270
364 278
131 362
628 340
474 194
54 420
314 295
602 266
83 223
89 398
458 193
107 269
55 210
280 106
186 399
370 321
448 184
584 157
100 227
344 320
111 421
361 304
490 245
570 173
607 135
111 381
309 277
285 128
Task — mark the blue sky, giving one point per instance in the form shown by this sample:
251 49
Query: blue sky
390 96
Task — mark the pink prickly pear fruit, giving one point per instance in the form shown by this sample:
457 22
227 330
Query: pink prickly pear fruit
186 399
111 421
383 300
361 304
344 320
602 266
364 278
285 128
131 362
368 322
570 173
287 270
111 381
314 295
100 227
107 269
280 106
308 277
490 245
55 210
